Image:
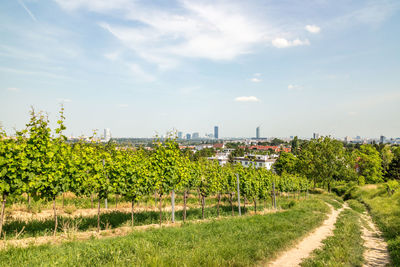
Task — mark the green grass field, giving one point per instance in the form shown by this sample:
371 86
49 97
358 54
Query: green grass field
236 241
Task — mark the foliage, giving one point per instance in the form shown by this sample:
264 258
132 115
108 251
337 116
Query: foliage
286 162
369 163
393 169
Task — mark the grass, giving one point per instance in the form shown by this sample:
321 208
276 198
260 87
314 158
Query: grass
114 219
344 248
356 205
332 199
385 211
236 241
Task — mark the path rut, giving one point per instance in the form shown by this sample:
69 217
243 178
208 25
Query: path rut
376 252
295 255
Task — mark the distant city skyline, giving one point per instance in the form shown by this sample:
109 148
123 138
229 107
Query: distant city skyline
142 68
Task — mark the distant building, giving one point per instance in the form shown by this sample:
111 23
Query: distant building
107 135
382 139
180 135
188 136
347 139
259 161
195 135
258 132
216 136
315 135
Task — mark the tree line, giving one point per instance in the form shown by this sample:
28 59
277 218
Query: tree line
326 161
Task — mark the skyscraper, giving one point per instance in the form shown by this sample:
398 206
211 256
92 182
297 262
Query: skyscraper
195 135
180 135
216 132
188 136
315 135
107 135
258 132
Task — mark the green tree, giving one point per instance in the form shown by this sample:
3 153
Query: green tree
324 160
369 164
295 145
393 171
286 162
387 157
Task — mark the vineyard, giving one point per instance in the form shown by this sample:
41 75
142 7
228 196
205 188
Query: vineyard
110 204
40 166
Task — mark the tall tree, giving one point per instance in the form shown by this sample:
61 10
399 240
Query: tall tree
369 163
393 171
324 160
286 162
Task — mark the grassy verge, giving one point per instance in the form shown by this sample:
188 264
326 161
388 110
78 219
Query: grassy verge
385 211
332 199
237 241
114 219
344 248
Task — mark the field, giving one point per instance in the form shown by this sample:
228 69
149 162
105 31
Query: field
237 241
217 240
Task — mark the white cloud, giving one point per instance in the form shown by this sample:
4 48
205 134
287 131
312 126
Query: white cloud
123 105
164 36
294 87
283 43
255 80
13 89
247 99
313 28
257 74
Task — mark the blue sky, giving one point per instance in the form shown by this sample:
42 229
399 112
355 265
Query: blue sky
145 67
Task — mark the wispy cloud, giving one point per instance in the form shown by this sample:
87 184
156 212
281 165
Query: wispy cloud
195 29
255 80
247 99
313 28
27 10
139 73
29 72
13 89
284 43
122 105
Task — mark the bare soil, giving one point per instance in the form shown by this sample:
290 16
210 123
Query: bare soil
376 252
303 249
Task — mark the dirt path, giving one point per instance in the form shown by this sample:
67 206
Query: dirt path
294 256
376 253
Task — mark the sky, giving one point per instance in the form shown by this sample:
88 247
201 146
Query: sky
142 68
